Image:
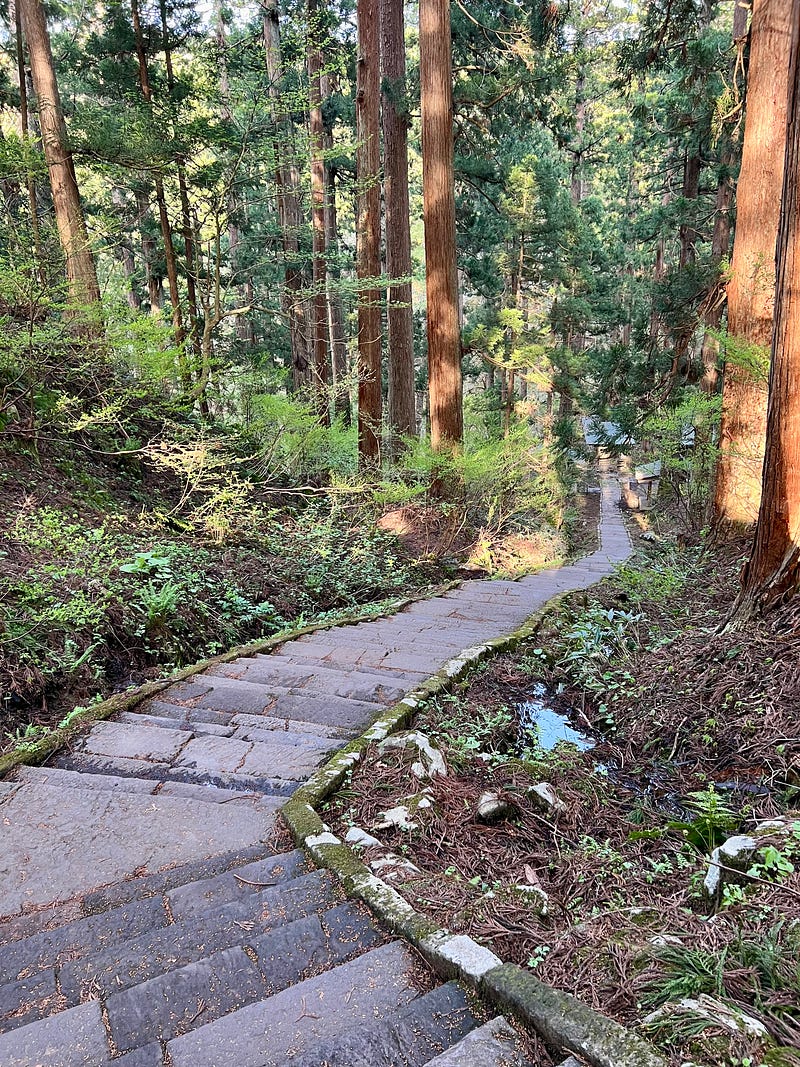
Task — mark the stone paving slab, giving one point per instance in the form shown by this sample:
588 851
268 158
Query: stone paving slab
73 1038
102 837
156 952
494 1044
262 1034
410 1036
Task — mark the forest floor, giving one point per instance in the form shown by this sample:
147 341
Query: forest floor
659 739
116 570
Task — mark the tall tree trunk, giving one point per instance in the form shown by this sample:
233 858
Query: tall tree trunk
773 571
752 284
36 232
187 228
287 182
720 244
368 230
336 328
316 127
81 272
244 325
441 274
402 406
161 201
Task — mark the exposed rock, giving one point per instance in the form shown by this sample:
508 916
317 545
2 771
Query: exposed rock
537 900
715 1012
391 866
492 808
728 864
782 825
360 838
399 817
431 760
545 798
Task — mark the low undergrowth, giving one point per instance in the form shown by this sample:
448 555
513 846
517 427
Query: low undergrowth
97 593
691 740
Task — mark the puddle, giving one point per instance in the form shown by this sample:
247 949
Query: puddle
540 721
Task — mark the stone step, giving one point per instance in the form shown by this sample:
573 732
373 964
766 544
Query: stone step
210 988
160 883
66 779
408 1038
63 779
182 713
134 908
494 1044
273 731
170 723
376 985
348 682
157 952
389 635
294 726
234 697
188 772
27 999
61 844
72 1038
194 898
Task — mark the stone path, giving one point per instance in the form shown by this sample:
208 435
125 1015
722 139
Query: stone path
145 917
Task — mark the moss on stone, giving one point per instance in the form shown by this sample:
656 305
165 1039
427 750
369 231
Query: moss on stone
564 1022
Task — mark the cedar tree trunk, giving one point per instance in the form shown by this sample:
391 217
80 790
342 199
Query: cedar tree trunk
402 407
368 230
773 572
441 274
318 265
752 285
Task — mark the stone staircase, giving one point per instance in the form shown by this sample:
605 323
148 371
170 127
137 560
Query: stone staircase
148 917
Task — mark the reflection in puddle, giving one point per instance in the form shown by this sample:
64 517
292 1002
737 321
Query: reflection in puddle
536 716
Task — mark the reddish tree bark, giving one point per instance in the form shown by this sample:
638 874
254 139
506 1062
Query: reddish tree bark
752 285
773 572
400 315
441 274
368 231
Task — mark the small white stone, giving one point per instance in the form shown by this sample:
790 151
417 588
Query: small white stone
398 818
322 839
717 1013
431 757
736 852
360 838
544 794
492 809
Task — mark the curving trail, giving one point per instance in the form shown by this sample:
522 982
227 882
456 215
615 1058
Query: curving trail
146 920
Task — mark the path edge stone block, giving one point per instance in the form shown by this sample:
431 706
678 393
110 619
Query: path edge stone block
565 1022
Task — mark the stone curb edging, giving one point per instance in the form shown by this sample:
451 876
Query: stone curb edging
39 751
563 1021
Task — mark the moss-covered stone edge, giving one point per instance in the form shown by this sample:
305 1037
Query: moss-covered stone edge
564 1022
38 751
